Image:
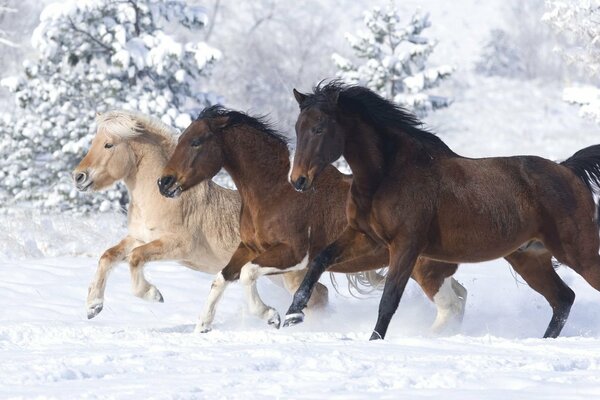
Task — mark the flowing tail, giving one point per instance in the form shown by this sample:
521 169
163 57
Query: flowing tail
586 165
363 283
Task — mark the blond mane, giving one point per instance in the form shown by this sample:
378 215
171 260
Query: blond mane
127 125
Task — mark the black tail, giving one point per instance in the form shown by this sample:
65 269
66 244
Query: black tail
586 165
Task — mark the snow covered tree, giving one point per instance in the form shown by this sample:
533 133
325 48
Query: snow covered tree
4 35
393 60
96 55
579 21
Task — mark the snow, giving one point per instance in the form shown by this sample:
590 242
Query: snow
148 350
135 349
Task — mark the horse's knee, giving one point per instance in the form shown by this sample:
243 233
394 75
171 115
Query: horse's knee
136 258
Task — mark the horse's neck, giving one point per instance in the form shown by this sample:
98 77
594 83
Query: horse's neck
257 163
150 160
364 151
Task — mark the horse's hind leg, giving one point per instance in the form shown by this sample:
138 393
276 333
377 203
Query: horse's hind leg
449 296
95 299
535 267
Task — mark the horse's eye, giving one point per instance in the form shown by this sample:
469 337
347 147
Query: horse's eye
319 131
108 145
196 142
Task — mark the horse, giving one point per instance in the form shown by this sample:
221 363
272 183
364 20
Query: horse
200 229
413 194
280 229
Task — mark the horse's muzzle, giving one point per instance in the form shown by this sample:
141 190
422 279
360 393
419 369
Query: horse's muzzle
301 184
82 181
168 186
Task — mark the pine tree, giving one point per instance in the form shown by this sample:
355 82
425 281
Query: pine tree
96 55
393 58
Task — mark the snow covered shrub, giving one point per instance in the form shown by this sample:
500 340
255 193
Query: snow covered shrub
95 55
392 60
588 97
500 56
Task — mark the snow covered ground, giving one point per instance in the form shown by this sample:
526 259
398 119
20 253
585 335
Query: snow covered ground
134 349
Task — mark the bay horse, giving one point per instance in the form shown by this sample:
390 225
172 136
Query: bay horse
281 230
200 229
413 194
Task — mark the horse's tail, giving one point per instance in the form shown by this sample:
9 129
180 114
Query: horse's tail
586 165
363 283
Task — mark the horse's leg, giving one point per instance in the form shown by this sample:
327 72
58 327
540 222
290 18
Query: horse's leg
280 255
535 267
160 249
402 261
231 272
95 299
292 281
449 296
343 248
573 240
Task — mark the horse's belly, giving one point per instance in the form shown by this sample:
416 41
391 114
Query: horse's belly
470 244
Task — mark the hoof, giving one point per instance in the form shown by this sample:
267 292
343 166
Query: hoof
293 319
153 294
376 336
94 310
202 328
274 320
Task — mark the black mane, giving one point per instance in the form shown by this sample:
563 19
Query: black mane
236 118
374 109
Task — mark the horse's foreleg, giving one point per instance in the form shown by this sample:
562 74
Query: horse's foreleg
160 249
402 262
319 297
231 272
276 259
95 299
248 277
342 248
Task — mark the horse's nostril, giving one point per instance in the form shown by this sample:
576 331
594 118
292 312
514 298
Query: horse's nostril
80 177
166 181
300 183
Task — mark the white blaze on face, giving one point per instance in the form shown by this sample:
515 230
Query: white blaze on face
292 155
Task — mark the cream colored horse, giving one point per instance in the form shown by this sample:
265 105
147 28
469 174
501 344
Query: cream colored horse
200 229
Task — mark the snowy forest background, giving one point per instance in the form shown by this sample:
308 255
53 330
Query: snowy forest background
491 78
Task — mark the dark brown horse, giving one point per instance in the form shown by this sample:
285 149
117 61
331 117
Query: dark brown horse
417 197
281 229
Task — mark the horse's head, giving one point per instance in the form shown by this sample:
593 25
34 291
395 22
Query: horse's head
197 157
319 138
110 157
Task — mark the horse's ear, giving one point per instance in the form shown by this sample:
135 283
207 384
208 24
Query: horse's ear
335 97
98 113
300 97
216 124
